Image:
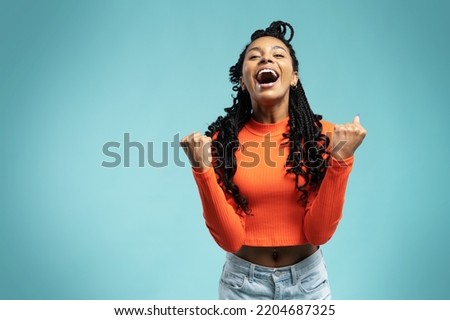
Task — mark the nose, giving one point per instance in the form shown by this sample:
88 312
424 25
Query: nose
265 58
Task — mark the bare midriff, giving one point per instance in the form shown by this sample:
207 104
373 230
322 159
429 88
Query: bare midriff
276 256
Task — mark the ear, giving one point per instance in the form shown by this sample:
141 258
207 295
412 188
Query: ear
242 84
294 78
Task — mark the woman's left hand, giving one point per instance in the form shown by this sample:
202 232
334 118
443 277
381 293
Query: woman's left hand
347 138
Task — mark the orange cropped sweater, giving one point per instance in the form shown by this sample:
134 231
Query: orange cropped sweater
277 218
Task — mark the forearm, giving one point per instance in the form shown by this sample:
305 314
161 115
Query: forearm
322 216
224 223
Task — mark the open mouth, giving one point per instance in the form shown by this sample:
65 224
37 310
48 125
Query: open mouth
266 76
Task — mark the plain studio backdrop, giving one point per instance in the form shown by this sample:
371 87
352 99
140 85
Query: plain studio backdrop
81 77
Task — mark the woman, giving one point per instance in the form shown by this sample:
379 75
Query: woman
272 176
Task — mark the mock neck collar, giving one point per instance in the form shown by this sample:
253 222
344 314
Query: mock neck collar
262 129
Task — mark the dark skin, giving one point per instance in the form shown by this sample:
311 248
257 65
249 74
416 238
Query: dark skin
270 104
276 257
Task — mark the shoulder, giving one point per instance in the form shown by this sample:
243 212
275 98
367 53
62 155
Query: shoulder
327 127
328 130
215 135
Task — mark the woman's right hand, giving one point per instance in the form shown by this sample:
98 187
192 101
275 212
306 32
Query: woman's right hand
198 150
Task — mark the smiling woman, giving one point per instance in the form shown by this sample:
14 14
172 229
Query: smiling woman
268 65
272 216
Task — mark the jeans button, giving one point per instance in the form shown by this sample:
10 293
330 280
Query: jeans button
277 273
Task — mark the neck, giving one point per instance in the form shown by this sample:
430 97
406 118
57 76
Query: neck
270 112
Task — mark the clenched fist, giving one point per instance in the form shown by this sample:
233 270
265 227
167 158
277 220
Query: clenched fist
198 150
347 138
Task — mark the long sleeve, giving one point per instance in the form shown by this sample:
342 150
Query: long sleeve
325 210
226 226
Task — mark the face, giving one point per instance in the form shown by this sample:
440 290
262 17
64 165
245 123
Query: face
267 72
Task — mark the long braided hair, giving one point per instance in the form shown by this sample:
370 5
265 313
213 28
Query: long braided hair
308 155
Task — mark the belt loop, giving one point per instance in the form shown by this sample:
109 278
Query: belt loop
294 275
251 272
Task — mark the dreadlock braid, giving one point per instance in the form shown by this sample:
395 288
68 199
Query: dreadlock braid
307 158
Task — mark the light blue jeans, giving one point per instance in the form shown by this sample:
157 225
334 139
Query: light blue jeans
305 280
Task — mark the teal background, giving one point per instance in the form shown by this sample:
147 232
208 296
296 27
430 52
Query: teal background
77 74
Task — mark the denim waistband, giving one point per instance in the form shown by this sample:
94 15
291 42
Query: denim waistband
251 270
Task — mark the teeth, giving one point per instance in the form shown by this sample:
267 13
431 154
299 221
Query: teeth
267 70
266 76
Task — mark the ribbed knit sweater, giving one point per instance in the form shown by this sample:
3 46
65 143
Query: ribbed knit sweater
277 217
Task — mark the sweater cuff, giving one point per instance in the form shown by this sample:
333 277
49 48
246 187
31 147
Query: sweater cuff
203 175
343 163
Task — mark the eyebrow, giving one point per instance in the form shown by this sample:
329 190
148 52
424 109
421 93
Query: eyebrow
259 49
